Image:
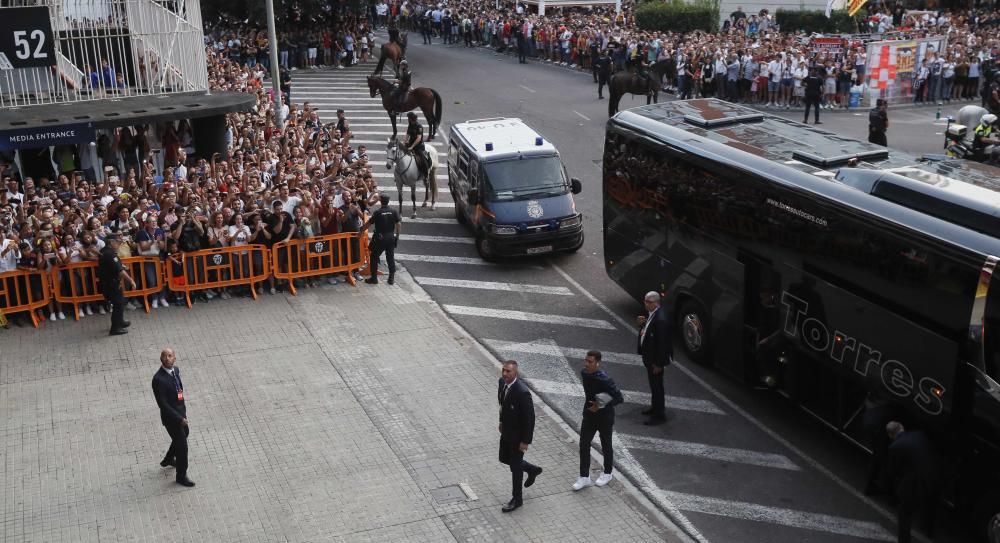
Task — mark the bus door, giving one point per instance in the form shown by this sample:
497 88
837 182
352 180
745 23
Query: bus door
762 338
986 366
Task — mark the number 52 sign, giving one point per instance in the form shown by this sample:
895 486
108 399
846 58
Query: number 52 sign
26 37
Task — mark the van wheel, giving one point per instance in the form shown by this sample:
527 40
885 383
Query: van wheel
693 326
460 215
485 248
987 519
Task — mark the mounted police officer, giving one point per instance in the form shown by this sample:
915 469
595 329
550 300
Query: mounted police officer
387 226
393 32
402 85
415 143
111 272
603 67
642 70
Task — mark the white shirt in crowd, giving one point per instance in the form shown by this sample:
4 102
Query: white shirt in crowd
9 254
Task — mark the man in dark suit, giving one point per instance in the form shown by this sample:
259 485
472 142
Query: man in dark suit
168 389
517 424
657 352
913 469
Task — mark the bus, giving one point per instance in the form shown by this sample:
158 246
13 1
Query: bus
841 274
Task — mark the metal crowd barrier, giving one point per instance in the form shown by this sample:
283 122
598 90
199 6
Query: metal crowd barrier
320 255
24 290
220 267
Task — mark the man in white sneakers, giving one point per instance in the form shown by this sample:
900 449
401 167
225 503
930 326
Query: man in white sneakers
601 395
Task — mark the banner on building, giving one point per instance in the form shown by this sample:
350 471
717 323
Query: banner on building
44 136
831 46
893 66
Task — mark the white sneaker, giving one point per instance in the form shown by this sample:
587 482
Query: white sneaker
582 482
156 303
62 316
52 316
79 313
91 311
100 309
604 479
163 302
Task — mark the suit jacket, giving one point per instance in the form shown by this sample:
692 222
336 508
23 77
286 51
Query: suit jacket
165 391
912 464
517 413
656 349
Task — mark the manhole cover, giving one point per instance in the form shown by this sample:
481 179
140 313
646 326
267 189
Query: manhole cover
449 494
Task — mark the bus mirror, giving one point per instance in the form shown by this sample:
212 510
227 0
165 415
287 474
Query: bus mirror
473 197
574 185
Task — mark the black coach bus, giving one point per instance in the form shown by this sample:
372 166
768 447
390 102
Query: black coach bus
837 272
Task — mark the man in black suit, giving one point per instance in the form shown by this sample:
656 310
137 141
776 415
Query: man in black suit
913 468
657 352
168 389
517 424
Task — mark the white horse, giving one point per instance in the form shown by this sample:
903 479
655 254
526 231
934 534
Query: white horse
407 173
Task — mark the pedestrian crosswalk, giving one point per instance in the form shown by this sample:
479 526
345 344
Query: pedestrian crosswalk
531 311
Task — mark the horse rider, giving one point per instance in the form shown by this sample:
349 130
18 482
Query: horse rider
402 85
393 32
603 69
415 143
642 70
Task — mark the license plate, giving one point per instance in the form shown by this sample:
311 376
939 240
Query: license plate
540 250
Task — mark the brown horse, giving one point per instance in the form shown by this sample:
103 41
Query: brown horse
393 51
428 100
623 83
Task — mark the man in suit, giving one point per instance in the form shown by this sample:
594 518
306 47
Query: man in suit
913 468
657 352
517 424
168 389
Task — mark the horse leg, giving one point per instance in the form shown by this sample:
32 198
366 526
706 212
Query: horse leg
413 199
427 192
392 117
433 184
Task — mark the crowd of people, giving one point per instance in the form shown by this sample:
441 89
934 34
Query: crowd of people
301 177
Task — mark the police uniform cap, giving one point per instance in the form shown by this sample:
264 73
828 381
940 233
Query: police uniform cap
411 115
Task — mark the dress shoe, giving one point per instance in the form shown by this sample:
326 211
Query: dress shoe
531 478
513 504
373 280
392 279
185 482
126 324
119 332
655 421
167 462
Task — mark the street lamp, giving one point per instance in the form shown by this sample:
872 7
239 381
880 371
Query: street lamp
272 41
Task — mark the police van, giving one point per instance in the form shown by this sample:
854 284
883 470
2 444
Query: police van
510 186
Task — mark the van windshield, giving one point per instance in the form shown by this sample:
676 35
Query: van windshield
525 178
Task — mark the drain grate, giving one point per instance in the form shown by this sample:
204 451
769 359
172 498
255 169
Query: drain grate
449 494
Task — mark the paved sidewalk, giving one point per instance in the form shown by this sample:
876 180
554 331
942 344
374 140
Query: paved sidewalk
342 414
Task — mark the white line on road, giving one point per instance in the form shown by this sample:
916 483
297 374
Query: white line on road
813 463
557 350
431 221
778 515
631 396
437 239
490 285
445 259
389 175
723 454
526 316
526 88
586 118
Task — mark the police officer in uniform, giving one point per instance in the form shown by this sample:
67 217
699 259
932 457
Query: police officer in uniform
603 68
415 143
394 32
402 84
387 226
111 272
878 123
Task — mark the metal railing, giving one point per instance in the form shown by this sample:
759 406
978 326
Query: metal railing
109 49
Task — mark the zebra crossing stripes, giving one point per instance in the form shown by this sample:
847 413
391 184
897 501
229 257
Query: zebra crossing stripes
509 314
546 386
713 452
437 239
492 285
550 349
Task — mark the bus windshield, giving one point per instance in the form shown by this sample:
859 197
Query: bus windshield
520 179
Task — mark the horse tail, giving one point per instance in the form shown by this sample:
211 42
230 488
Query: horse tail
438 109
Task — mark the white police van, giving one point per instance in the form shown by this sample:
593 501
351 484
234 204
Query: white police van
509 184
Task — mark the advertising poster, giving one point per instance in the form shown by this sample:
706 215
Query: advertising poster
893 65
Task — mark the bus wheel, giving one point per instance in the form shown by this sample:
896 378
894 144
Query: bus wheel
987 518
484 247
694 331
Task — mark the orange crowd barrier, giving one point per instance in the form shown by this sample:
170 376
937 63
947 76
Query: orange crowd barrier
218 268
24 290
320 255
77 283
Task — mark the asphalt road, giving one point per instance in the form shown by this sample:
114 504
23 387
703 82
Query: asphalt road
732 463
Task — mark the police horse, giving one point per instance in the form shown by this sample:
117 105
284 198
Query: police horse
393 51
623 83
428 100
405 172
